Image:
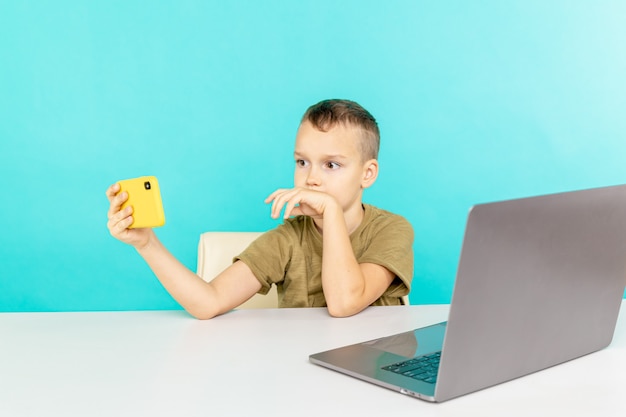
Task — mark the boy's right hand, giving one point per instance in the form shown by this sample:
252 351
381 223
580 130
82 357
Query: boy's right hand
120 220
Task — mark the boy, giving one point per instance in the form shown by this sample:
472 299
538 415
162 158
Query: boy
367 252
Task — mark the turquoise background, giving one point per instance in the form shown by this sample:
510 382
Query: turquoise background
476 100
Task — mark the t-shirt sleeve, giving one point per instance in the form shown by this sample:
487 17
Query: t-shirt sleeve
267 257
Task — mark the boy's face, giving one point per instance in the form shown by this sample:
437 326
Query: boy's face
331 162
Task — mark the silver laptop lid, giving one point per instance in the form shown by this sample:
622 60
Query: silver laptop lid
539 282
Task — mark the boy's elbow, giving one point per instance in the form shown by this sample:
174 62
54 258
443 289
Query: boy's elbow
347 304
344 310
202 314
339 314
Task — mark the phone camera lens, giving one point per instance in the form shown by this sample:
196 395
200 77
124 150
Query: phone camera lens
147 185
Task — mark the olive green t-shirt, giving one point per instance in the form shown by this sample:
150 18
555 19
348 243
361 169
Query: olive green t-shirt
290 257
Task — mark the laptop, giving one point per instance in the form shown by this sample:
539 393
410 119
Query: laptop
539 282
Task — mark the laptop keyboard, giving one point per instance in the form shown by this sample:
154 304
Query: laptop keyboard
424 368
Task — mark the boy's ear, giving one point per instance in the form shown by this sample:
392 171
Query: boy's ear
370 173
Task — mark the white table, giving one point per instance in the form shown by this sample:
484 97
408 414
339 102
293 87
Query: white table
255 363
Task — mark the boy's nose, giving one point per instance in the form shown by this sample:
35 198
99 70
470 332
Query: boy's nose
312 179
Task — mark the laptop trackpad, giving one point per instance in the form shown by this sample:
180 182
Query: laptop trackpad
412 343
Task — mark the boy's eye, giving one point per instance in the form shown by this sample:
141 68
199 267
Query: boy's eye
332 165
300 162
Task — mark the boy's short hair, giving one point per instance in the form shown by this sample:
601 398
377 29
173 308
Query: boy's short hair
328 113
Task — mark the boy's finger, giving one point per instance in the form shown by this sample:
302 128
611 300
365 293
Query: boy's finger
276 208
112 191
280 201
120 220
276 199
289 209
272 196
116 203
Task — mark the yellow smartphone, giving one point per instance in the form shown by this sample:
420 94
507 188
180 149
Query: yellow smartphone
144 195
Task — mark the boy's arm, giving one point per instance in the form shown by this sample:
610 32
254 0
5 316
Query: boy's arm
349 287
201 299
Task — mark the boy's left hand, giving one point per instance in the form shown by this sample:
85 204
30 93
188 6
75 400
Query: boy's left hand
300 201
